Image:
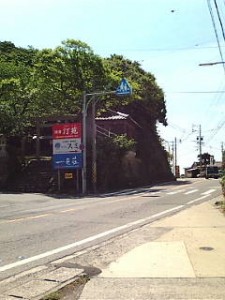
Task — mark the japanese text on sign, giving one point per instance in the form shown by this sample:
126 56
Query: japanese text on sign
67 153
65 131
68 161
66 146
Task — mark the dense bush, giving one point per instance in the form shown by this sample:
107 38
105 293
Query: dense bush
222 182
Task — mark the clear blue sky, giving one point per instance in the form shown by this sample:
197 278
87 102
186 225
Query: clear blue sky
170 38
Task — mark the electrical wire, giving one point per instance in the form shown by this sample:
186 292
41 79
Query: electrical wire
220 20
216 32
194 47
215 131
213 105
222 9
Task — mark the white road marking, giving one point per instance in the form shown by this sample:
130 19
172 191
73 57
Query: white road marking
196 200
181 191
68 210
172 193
87 240
154 193
208 192
191 192
175 192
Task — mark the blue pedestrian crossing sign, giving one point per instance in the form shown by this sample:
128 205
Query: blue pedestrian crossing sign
124 88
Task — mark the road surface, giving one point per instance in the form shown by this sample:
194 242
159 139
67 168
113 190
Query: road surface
36 229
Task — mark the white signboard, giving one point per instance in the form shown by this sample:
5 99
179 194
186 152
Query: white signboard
63 146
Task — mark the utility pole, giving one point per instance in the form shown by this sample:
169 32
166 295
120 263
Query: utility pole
199 141
174 152
86 103
223 155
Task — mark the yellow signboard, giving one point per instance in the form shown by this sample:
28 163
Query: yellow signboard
68 175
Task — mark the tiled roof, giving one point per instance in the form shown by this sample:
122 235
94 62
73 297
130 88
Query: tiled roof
118 116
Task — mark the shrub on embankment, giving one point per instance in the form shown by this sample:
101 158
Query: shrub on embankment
222 182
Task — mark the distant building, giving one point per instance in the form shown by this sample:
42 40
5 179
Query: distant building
191 172
199 171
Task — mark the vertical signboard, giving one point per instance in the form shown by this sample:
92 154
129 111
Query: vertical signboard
67 153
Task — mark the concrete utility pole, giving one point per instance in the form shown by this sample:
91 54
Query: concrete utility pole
86 103
223 155
199 141
174 152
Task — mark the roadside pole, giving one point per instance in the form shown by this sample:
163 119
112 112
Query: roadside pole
124 89
84 115
86 103
94 148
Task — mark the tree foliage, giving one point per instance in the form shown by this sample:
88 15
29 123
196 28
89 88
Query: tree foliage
45 82
36 83
51 81
147 103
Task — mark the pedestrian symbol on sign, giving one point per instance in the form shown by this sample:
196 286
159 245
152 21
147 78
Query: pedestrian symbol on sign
124 88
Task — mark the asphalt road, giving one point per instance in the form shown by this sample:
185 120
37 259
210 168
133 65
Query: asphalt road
36 229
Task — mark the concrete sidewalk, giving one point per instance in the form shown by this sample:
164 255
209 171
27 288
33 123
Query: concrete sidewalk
178 257
187 261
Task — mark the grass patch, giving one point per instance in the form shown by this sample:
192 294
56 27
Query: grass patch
223 206
53 296
72 289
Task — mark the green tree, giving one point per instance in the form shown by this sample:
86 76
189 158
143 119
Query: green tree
46 82
16 87
63 74
146 106
52 81
147 102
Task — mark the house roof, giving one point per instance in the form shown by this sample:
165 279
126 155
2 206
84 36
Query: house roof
117 116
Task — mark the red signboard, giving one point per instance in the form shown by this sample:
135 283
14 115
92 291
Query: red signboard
66 131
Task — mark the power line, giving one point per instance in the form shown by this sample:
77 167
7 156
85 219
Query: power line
207 110
215 30
220 20
194 47
216 130
199 92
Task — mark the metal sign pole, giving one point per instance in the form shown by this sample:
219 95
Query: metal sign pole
94 153
123 90
77 181
59 181
84 114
